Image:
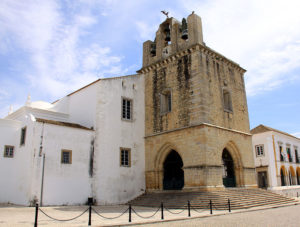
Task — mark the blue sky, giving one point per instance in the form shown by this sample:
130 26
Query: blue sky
49 48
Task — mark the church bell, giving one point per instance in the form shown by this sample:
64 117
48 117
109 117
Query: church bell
184 34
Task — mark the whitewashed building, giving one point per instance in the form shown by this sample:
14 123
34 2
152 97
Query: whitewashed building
87 144
277 159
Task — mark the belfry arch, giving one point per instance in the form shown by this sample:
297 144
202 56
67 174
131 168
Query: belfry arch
232 166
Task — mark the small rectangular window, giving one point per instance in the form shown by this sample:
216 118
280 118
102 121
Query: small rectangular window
23 136
8 151
126 109
66 156
259 150
166 102
227 102
125 156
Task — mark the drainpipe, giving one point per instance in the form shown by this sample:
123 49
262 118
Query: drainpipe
42 185
43 169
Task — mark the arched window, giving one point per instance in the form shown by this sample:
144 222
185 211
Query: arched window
227 100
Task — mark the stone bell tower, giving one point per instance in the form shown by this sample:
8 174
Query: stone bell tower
196 124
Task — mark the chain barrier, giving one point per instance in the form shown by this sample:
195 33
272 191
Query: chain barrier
197 210
110 217
147 216
90 209
174 212
63 219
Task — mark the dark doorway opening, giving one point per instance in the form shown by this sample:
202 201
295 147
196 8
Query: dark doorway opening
173 173
228 169
282 178
262 179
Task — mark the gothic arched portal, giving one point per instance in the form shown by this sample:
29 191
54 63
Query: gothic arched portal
173 172
228 168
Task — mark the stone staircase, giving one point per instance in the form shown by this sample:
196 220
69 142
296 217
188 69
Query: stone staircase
240 198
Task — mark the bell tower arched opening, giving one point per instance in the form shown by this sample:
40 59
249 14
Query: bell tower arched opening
228 169
173 172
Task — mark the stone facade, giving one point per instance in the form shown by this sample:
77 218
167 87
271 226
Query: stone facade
207 109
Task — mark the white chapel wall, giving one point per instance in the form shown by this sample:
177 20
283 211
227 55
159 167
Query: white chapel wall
114 183
64 184
15 178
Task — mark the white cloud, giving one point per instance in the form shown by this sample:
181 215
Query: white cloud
262 36
297 134
146 32
52 40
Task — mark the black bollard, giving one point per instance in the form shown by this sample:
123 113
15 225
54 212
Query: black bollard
229 208
129 213
90 215
162 211
36 215
210 206
189 208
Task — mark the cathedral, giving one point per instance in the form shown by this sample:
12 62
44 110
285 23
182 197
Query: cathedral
180 123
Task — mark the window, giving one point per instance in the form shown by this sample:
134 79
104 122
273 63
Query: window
66 156
227 100
296 156
166 102
281 153
125 157
8 151
259 150
126 109
23 136
288 152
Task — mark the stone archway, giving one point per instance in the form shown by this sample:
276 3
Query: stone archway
236 171
298 175
160 163
282 176
228 169
173 178
292 176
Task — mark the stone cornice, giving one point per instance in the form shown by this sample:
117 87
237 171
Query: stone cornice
202 124
196 47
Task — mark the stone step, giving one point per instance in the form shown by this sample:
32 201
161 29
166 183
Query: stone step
239 198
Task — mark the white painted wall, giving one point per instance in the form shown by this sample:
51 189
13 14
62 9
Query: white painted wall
97 106
64 184
15 177
266 138
81 105
113 183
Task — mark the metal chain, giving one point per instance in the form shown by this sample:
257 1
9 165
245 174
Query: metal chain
174 212
63 219
110 217
147 216
197 210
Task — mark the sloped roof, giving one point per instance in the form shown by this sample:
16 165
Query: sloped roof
61 123
262 128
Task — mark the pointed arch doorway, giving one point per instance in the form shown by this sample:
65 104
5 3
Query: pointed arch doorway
173 172
228 169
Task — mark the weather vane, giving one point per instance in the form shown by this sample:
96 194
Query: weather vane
166 13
